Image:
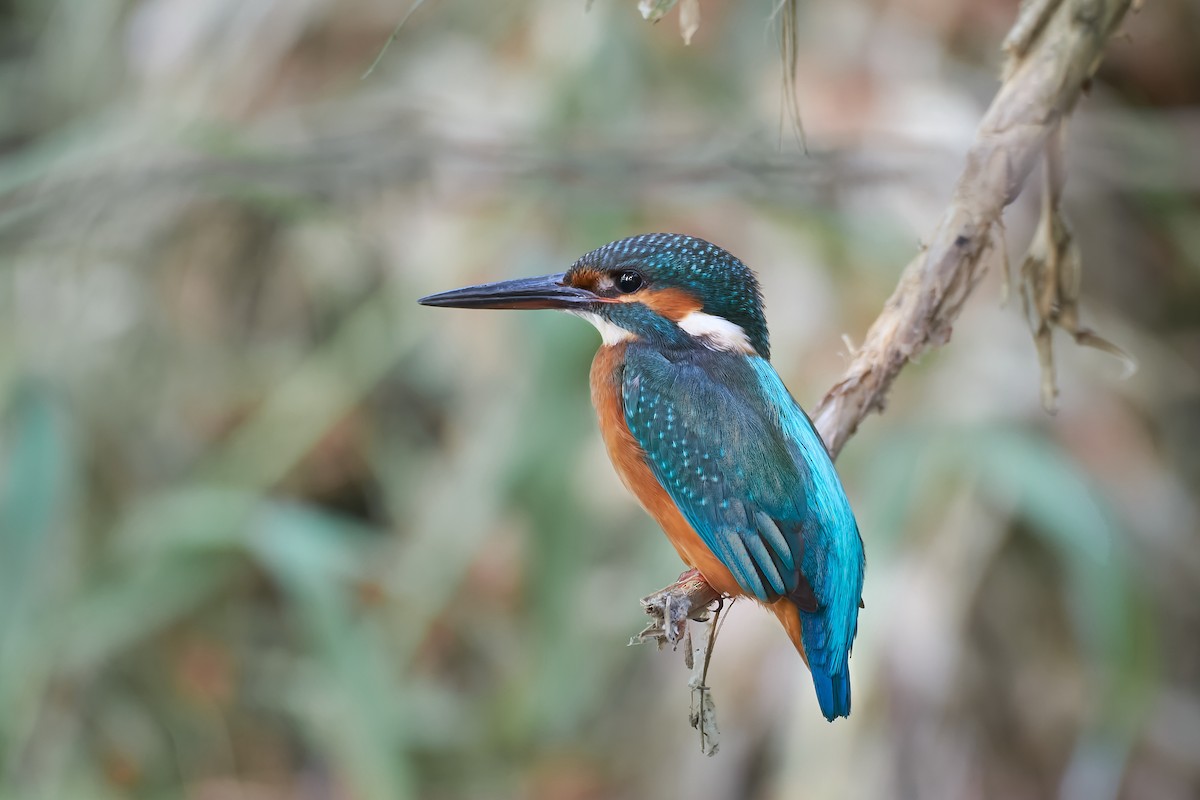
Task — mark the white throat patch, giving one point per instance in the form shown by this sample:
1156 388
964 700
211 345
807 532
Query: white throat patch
610 333
717 333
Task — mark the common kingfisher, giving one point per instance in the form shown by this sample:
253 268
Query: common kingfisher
703 431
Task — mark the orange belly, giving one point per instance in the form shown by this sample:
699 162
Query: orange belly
630 462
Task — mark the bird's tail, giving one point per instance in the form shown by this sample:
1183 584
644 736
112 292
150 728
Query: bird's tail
832 685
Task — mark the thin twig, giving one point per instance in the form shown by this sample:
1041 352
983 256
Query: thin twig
704 710
395 33
788 15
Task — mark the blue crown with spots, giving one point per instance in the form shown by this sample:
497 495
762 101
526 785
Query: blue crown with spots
720 282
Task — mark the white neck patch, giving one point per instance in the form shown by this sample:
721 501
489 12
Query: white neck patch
717 333
610 333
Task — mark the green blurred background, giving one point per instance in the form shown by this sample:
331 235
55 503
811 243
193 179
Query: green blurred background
268 529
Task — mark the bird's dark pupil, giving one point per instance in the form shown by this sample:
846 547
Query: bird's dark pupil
629 282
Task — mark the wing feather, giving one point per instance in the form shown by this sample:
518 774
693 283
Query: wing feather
725 464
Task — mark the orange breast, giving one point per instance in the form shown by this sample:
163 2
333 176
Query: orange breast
630 462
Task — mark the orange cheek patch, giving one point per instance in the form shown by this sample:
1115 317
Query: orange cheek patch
674 304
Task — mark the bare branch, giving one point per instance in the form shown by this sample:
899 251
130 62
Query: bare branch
1046 75
670 609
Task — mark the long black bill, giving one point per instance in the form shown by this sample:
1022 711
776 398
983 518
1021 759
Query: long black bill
546 291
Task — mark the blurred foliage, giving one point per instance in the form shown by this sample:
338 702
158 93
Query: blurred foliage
268 529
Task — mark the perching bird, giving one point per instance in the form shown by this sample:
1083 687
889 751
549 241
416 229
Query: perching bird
702 430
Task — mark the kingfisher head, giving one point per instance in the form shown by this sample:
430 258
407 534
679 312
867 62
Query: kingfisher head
665 289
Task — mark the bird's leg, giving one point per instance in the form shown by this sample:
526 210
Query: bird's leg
691 580
670 609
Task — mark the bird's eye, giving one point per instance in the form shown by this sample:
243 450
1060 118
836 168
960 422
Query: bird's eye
629 281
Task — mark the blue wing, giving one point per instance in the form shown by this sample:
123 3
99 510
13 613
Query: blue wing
742 461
